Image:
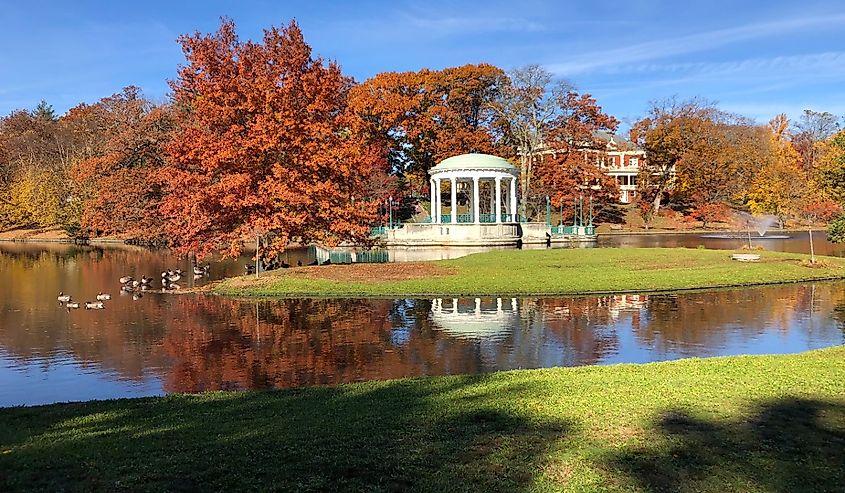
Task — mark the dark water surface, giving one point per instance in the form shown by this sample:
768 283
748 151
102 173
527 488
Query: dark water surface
185 343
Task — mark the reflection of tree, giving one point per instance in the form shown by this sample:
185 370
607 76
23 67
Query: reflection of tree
700 323
301 342
583 327
122 338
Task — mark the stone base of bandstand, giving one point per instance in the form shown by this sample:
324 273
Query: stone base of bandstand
478 235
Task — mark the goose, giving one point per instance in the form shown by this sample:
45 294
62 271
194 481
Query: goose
174 278
126 279
174 286
63 298
94 305
72 304
146 280
128 289
201 271
137 296
103 297
135 284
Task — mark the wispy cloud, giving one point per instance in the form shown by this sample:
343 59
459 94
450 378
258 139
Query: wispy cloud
750 76
703 41
782 64
763 111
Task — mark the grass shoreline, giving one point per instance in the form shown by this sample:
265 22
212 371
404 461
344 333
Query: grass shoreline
739 423
539 273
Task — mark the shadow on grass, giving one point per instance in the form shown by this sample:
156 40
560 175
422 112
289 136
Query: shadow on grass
441 435
786 445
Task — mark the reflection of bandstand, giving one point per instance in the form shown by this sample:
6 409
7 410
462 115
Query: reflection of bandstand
475 318
626 302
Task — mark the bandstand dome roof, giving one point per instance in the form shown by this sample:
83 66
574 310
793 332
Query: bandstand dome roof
474 162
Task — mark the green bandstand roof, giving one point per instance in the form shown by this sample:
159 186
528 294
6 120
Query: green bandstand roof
474 161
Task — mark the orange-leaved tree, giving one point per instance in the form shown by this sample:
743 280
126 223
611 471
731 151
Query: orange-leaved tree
119 179
265 147
570 168
426 116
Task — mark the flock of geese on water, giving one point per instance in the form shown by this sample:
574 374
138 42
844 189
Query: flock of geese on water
135 287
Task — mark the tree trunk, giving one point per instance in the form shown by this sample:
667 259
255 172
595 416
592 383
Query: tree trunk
658 197
526 182
257 249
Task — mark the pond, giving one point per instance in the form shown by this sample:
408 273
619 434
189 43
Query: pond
162 343
795 241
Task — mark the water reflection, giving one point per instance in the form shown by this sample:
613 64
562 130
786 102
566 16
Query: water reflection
186 343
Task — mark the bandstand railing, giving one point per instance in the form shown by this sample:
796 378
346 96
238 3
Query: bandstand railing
487 218
574 230
464 218
445 218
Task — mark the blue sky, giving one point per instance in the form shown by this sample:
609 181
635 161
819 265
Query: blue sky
754 58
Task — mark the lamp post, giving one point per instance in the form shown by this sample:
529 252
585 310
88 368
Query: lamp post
574 212
390 211
548 211
560 222
581 202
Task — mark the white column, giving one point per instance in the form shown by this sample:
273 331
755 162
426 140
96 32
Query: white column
439 200
433 209
436 204
498 199
454 211
475 200
513 199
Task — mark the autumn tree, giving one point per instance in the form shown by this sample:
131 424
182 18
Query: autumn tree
427 116
698 154
35 159
120 178
817 209
570 167
664 136
831 172
265 146
811 130
710 213
780 185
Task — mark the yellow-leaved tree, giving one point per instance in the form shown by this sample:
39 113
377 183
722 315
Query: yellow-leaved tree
780 185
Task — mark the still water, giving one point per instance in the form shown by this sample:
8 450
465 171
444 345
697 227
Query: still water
797 242
165 343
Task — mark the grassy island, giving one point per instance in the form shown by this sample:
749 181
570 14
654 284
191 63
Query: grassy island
539 272
750 423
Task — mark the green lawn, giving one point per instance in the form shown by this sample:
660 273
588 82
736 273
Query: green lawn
537 272
763 423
